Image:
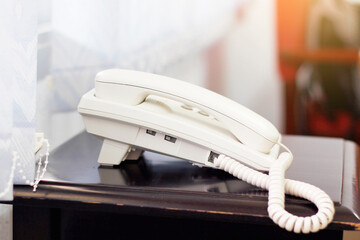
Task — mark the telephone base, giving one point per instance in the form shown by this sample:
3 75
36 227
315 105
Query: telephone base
134 154
113 153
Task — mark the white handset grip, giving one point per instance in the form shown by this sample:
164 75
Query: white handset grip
132 87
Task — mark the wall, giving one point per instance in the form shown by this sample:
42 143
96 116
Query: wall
251 74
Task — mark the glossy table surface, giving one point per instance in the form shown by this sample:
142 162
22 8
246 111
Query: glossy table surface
168 186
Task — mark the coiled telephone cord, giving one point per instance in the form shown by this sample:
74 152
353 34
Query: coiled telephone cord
277 185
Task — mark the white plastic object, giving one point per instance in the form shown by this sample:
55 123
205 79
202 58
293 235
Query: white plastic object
198 134
125 101
113 152
132 87
134 154
134 110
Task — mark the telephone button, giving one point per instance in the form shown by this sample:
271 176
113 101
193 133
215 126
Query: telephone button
204 113
187 107
151 132
170 138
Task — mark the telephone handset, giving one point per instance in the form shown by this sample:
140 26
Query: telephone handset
134 111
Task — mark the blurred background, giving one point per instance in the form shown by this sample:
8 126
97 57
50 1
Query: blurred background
292 61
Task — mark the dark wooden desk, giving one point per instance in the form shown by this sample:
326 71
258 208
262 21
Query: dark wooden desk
163 197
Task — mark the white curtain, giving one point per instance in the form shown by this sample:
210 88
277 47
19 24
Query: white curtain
18 38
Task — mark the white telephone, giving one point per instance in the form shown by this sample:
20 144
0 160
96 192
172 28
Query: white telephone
134 111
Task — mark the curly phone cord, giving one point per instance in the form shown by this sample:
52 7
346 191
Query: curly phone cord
277 185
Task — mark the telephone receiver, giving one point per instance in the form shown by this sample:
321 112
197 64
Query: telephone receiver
134 111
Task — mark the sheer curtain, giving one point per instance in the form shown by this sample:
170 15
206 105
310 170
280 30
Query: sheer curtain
18 39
